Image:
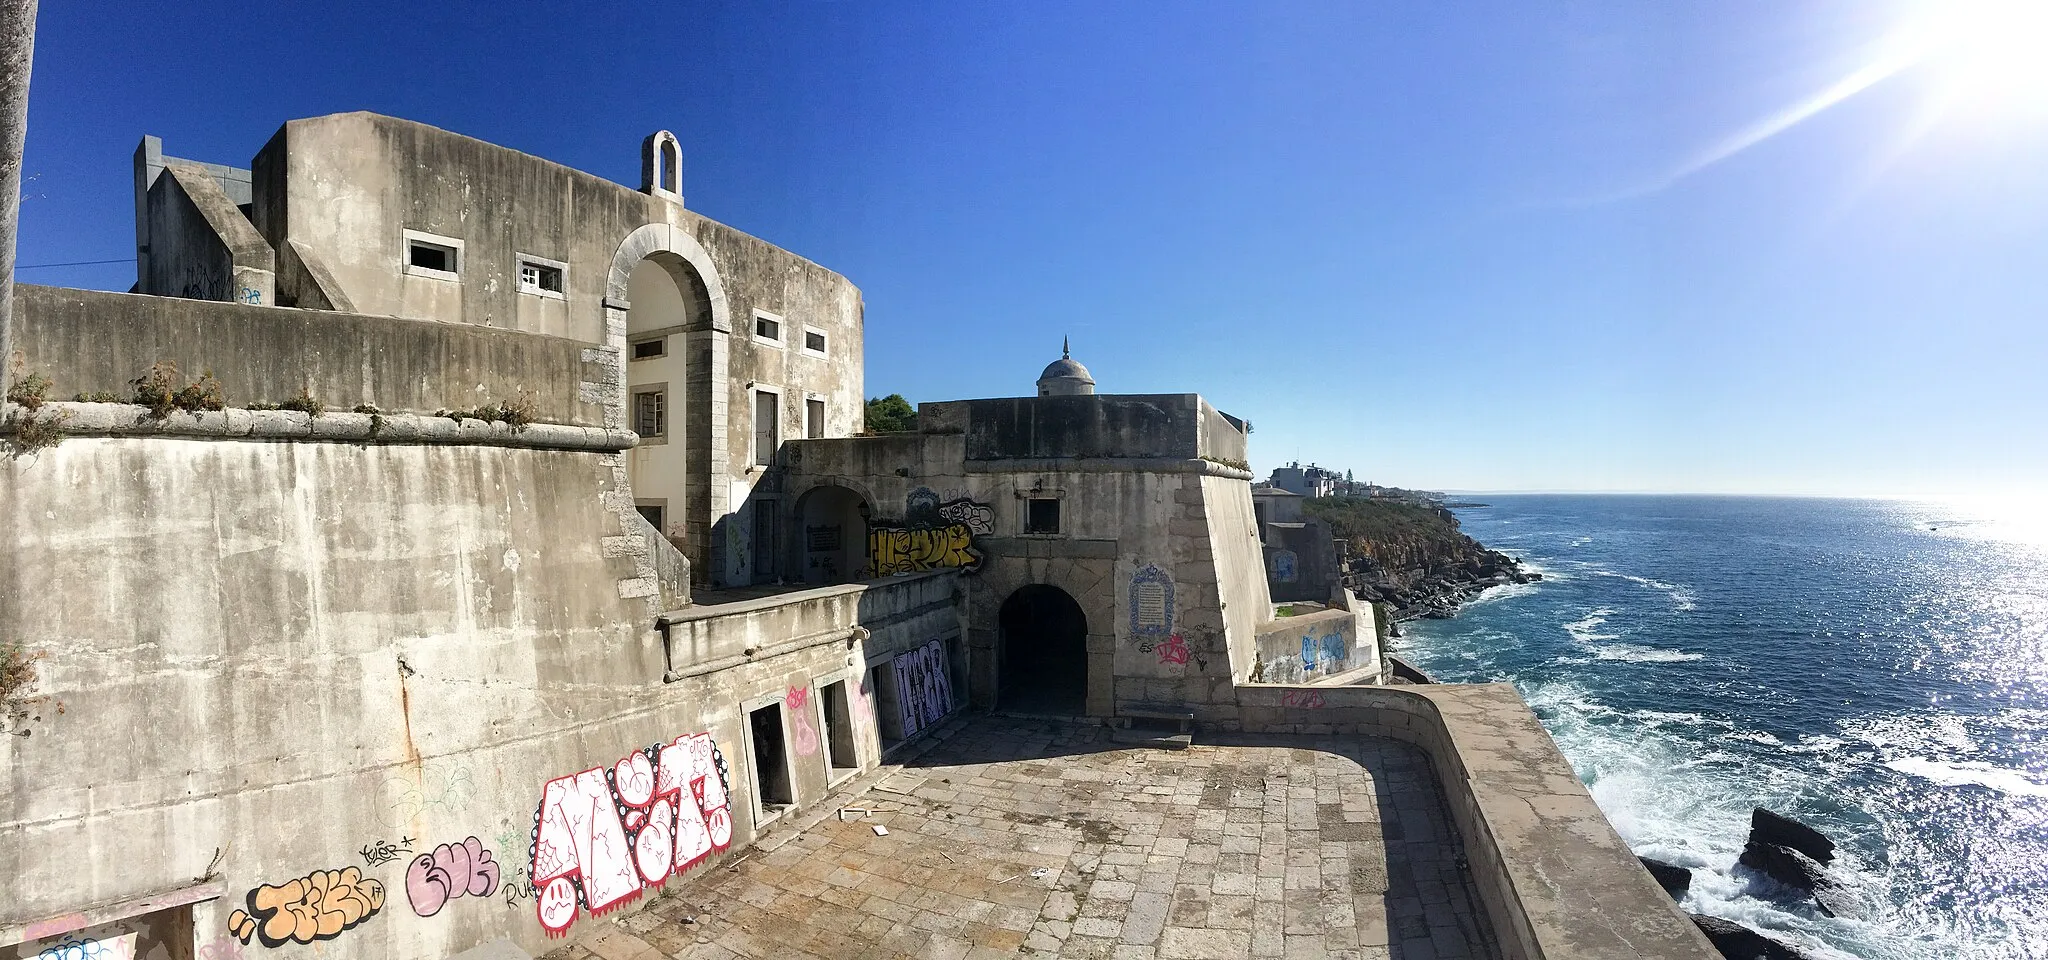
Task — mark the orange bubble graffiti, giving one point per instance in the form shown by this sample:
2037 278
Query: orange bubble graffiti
318 906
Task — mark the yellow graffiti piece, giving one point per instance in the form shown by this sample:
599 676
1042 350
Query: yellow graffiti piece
318 906
925 548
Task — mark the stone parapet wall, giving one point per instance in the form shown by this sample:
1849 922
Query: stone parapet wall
1558 883
91 342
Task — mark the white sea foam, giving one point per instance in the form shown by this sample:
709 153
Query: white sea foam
1506 591
1815 743
1758 737
1582 629
1970 773
1682 598
1638 654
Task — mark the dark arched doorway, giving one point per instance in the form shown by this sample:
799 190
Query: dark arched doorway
1044 652
832 524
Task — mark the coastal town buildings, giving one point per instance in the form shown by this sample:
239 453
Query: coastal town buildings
441 549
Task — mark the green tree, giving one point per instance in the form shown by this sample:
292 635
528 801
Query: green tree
891 414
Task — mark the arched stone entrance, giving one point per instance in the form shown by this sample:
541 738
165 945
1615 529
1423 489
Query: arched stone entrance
832 535
666 314
1043 645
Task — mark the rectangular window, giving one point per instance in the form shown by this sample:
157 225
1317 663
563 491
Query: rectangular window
650 413
772 789
1042 515
538 277
768 327
767 426
652 512
767 533
649 349
839 750
814 419
431 256
814 341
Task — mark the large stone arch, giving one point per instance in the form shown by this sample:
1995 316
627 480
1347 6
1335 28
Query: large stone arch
1088 579
707 499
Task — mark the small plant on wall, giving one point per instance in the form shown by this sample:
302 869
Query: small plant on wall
162 390
18 707
28 391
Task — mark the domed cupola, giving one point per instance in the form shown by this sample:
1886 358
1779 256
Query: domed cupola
1065 377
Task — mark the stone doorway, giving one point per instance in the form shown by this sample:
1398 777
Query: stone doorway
1043 652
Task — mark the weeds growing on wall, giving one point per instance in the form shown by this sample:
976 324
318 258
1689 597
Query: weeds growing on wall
304 403
18 707
103 396
516 413
27 389
33 434
376 418
162 390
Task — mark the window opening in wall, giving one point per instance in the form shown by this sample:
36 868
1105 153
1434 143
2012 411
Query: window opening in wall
671 167
539 277
649 349
767 525
650 413
652 512
814 341
430 256
839 730
814 419
1042 515
771 763
888 704
767 426
767 328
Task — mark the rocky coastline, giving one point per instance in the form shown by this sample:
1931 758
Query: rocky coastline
1413 559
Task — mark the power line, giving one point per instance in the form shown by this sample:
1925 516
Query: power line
74 263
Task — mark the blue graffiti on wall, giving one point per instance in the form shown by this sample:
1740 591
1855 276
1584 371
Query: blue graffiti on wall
1324 653
1283 567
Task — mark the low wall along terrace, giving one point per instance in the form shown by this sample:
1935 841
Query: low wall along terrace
1557 882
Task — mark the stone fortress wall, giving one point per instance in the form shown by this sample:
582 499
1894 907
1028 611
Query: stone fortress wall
395 684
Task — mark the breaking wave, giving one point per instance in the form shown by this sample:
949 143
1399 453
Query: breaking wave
2002 780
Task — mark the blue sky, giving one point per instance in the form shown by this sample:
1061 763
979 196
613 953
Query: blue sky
1462 246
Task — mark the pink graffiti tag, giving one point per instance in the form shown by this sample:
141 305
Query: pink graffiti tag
1305 699
661 811
1174 650
453 870
803 735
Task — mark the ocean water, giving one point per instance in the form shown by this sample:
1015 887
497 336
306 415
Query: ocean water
1878 669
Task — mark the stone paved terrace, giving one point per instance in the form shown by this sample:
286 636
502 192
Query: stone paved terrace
1241 846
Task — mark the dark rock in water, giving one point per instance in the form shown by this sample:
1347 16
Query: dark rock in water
1737 942
1785 865
1675 880
1786 832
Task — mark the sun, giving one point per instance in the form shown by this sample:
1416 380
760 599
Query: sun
1984 57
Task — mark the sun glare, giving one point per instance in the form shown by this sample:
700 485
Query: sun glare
1988 57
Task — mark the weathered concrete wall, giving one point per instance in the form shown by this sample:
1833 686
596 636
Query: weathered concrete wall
89 341
1159 552
1557 882
201 247
1308 647
326 656
1301 561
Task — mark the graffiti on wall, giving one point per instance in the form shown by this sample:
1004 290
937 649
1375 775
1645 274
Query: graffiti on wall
893 550
384 851
1174 650
1322 653
1284 562
603 835
85 948
1151 599
924 687
803 734
221 948
1305 699
318 906
443 792
934 535
452 870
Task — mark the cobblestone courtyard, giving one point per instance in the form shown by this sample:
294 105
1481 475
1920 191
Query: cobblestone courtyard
1043 838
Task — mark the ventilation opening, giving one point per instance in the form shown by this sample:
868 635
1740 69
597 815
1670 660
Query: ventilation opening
839 732
1042 516
888 704
772 789
649 349
653 514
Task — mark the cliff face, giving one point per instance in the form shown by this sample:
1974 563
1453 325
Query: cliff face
1412 556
